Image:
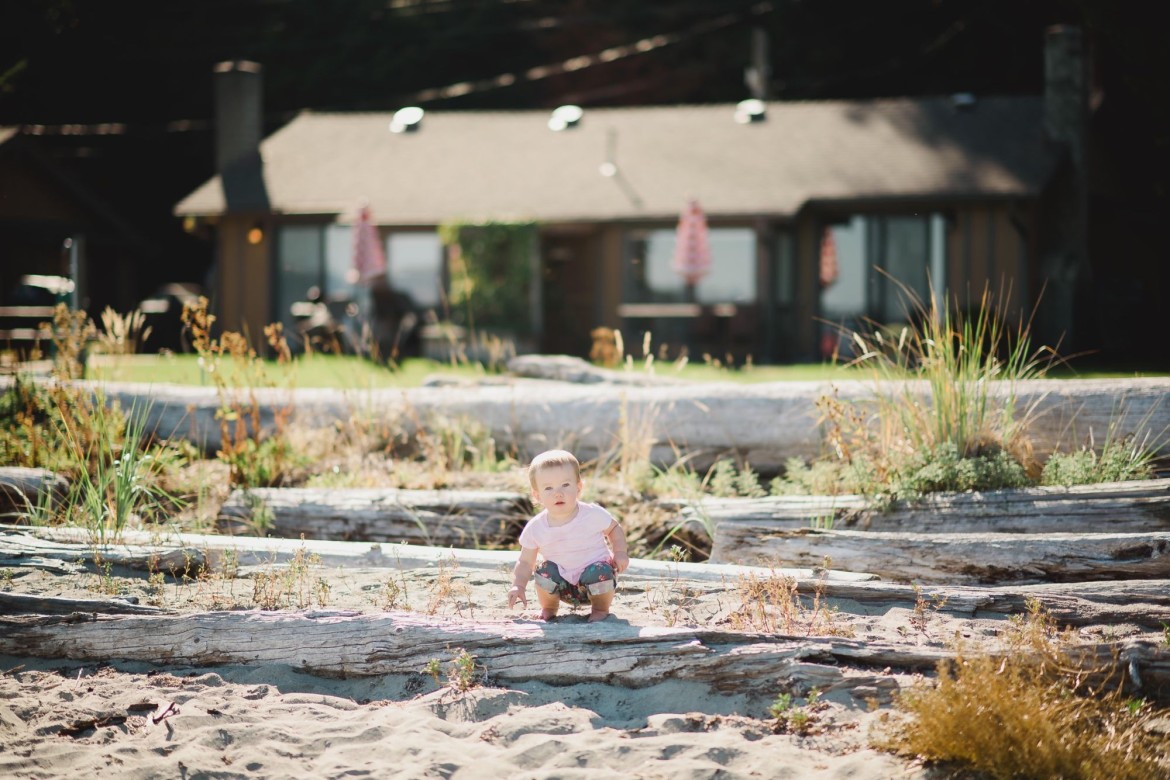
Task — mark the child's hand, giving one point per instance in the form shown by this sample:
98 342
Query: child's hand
621 562
516 593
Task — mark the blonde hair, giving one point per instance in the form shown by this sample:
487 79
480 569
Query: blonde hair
553 459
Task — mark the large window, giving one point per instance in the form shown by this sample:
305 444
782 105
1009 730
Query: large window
317 261
415 264
882 265
650 278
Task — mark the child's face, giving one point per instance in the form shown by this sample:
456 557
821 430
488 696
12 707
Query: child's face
557 488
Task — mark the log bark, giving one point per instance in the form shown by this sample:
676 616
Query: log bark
763 423
950 557
432 517
1118 507
24 604
346 644
23 489
27 549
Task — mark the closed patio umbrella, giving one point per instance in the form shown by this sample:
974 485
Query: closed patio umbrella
692 250
369 261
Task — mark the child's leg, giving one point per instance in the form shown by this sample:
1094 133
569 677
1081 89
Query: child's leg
601 581
548 585
599 606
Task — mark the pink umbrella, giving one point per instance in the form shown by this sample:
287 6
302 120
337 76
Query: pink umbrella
369 261
692 251
829 267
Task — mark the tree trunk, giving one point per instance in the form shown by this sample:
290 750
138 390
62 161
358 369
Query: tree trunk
437 518
950 558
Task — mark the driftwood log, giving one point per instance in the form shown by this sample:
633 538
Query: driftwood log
1119 507
438 518
763 423
950 557
23 604
348 644
24 489
31 549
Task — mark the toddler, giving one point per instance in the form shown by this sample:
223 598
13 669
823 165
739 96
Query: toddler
581 546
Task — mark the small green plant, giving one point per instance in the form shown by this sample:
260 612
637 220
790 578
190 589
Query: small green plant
462 671
1117 461
792 718
293 584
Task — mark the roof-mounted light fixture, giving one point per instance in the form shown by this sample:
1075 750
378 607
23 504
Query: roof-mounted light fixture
750 110
564 117
406 120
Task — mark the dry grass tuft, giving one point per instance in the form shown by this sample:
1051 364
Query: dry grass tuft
773 604
1034 712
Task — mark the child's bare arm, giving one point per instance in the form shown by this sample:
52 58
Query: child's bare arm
521 574
618 546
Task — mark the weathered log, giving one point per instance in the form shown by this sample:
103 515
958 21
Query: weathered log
333 643
25 604
950 557
22 490
1117 507
430 517
1143 603
764 423
24 549
249 550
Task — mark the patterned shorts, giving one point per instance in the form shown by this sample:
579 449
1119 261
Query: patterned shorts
598 578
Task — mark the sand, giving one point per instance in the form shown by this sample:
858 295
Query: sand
63 718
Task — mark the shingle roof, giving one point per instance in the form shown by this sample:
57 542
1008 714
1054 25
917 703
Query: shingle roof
473 164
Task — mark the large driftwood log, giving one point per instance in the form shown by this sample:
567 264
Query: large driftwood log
950 557
29 549
403 643
25 544
764 423
431 517
1119 507
24 489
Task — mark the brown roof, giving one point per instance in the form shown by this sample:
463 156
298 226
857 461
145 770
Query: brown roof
479 165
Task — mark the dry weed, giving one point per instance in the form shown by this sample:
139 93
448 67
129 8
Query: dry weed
773 604
1039 710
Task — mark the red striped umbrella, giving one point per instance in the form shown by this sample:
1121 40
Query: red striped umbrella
692 251
369 260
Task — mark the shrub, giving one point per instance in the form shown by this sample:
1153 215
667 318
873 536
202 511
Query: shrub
1034 712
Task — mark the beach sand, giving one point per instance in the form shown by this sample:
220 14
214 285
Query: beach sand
70 718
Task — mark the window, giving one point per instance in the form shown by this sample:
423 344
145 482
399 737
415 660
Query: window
876 257
415 262
650 278
319 259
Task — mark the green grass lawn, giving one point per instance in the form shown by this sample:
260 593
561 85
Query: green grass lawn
354 372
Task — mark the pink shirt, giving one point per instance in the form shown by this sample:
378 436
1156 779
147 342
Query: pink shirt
574 545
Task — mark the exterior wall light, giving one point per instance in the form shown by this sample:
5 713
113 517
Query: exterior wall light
749 111
406 120
256 234
565 117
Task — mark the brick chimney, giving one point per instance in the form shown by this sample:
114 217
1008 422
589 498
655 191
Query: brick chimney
239 127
